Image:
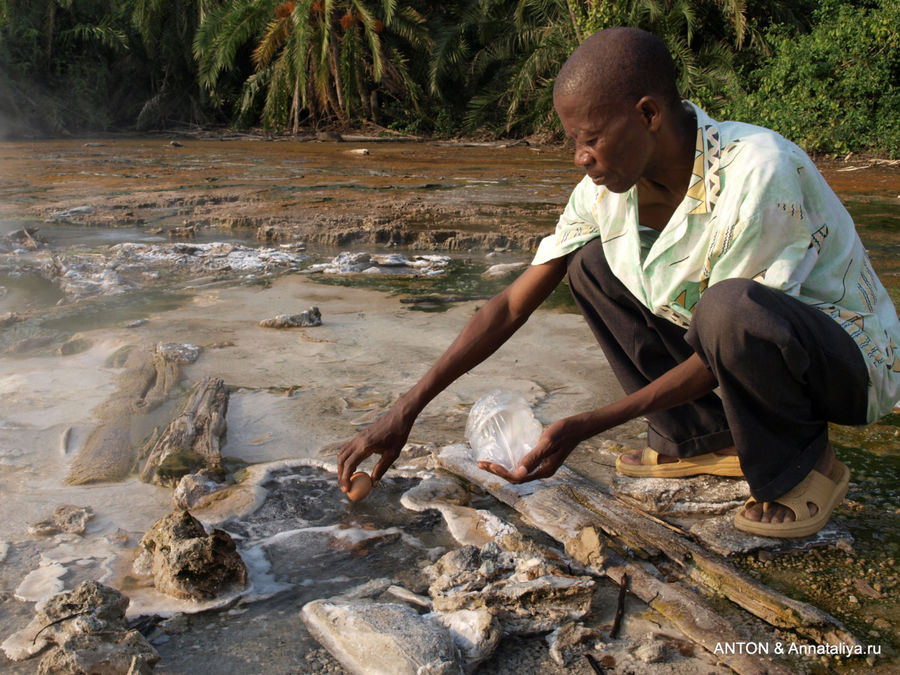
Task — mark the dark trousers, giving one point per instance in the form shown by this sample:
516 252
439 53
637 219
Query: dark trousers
784 370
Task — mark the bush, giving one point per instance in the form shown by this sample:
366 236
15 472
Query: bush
835 89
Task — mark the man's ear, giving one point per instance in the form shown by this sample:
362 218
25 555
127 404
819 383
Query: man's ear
651 112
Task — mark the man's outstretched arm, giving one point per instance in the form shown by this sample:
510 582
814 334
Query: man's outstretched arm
486 331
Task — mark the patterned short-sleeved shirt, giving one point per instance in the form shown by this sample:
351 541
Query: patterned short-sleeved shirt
756 208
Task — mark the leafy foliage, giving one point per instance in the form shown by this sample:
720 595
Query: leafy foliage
823 72
322 57
835 89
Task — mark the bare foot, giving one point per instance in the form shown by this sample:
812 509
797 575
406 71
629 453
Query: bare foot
635 457
778 513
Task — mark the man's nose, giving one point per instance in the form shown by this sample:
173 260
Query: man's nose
582 156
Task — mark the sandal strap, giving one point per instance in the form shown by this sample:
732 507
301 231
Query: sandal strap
649 457
816 489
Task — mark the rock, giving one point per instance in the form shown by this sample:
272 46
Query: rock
588 547
74 211
651 649
186 562
177 352
395 264
568 642
183 233
66 518
476 633
27 238
9 318
527 592
719 535
88 630
381 638
468 526
29 344
311 317
74 346
433 489
123 652
675 497
193 487
502 270
193 440
477 527
129 265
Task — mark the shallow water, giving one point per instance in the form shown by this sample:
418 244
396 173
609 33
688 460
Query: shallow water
309 535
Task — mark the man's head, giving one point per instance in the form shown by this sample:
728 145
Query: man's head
614 95
619 66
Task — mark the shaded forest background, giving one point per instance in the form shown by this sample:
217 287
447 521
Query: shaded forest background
825 73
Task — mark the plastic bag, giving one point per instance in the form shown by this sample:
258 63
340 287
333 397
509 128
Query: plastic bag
502 429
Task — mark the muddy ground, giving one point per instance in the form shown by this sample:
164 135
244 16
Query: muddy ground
366 193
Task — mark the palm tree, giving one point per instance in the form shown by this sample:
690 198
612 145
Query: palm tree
703 36
323 57
166 29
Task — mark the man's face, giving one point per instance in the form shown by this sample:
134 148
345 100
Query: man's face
612 143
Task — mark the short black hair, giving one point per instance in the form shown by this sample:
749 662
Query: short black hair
619 65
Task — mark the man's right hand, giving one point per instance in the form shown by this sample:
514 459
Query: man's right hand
386 436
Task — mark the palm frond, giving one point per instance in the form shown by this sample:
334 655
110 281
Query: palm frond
272 40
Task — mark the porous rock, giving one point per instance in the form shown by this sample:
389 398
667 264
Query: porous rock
89 608
381 638
66 518
674 497
570 641
433 489
123 652
651 649
527 592
186 562
193 487
720 535
311 317
87 629
476 632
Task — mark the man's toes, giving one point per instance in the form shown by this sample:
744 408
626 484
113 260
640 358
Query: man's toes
780 514
632 458
755 512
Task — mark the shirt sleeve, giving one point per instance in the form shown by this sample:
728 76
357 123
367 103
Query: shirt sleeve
767 237
576 226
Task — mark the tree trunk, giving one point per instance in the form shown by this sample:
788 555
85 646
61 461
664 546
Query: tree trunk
192 440
295 108
375 111
338 82
566 505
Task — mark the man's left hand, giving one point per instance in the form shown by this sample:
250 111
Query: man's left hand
555 444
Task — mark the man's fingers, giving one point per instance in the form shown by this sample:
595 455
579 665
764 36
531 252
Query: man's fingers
532 460
347 463
380 468
544 471
498 470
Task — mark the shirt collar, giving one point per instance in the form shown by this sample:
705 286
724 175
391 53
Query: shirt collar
704 187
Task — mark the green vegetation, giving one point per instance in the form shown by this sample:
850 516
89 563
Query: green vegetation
835 89
825 73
